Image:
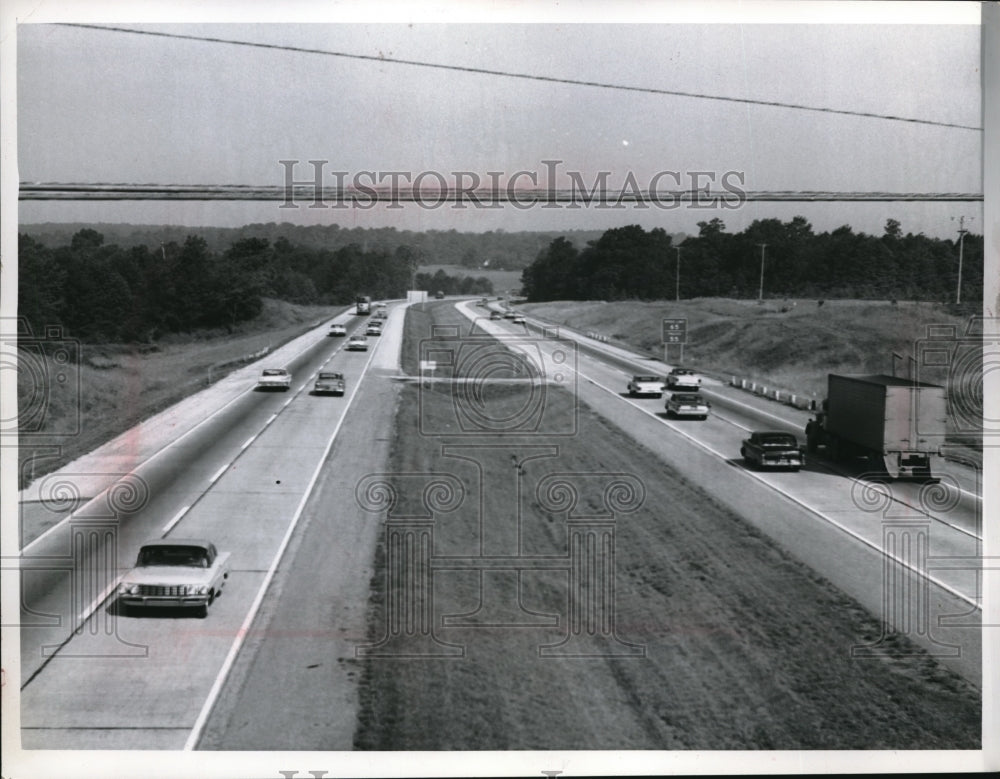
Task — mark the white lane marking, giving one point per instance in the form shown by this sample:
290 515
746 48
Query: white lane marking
971 601
270 419
221 471
249 441
177 518
152 457
241 634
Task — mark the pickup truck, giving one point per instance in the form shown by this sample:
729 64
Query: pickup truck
177 573
772 450
646 385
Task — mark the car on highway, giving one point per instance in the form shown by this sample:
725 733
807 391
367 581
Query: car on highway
374 328
337 330
687 404
767 449
643 384
174 572
483 302
357 343
274 378
495 315
518 319
683 378
509 314
329 382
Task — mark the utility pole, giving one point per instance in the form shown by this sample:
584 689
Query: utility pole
961 238
760 293
677 286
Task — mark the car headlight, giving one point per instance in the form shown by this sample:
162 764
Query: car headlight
128 589
200 590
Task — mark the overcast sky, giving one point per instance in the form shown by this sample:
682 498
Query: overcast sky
102 106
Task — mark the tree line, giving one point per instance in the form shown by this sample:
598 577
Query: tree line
100 292
631 263
494 249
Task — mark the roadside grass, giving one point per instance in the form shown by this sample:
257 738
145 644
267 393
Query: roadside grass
112 387
790 345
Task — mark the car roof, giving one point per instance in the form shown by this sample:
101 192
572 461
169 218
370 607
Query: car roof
645 377
274 371
199 542
332 374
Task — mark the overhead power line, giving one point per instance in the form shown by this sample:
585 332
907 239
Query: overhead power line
527 76
305 194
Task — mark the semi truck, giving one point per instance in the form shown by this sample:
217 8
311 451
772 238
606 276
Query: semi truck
896 422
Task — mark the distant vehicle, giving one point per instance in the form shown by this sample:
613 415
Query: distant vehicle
687 404
439 295
381 304
329 382
518 319
337 330
357 343
483 302
683 378
374 328
379 314
646 385
509 314
274 378
896 422
772 450
495 315
175 572
363 305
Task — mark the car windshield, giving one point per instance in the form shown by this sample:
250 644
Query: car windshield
681 372
777 439
686 398
646 378
273 372
191 556
331 376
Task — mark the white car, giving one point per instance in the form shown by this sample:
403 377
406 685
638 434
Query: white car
683 378
357 343
374 328
174 572
687 404
274 378
329 382
337 330
646 385
519 319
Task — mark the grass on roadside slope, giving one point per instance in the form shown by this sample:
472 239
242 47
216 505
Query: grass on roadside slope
790 345
120 385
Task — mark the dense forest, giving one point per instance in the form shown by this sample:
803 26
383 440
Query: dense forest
496 250
630 263
102 292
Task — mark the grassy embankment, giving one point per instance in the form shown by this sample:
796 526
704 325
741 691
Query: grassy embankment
122 384
787 345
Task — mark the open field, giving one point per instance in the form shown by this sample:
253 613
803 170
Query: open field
119 385
502 280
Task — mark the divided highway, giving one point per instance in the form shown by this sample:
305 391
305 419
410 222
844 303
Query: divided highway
275 487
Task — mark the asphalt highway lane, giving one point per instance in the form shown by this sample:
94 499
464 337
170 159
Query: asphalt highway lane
141 681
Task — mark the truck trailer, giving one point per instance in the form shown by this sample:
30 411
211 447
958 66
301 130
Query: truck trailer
896 422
